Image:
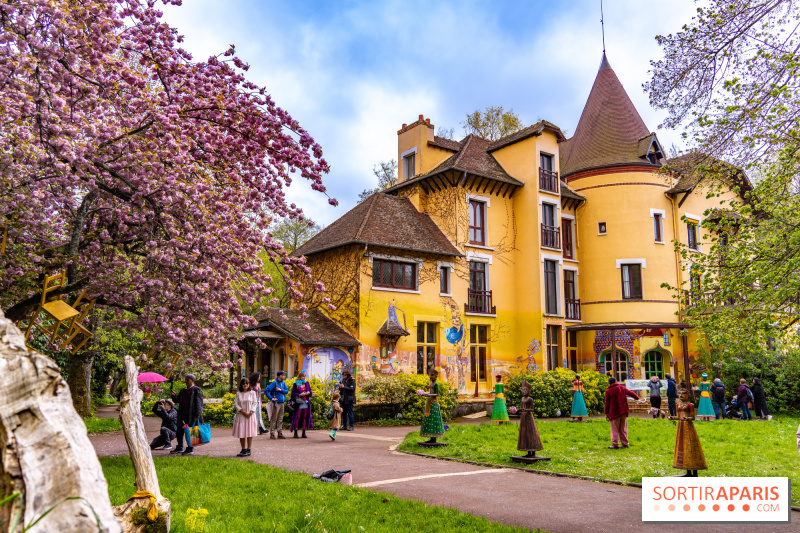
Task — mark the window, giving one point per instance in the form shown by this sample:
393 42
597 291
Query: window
601 228
654 364
572 350
666 337
477 222
631 282
444 280
394 275
572 306
566 237
477 276
546 162
553 341
550 232
478 344
427 344
691 231
622 365
550 287
409 166
548 214
658 229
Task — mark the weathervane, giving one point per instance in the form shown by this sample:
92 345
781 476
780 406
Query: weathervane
602 27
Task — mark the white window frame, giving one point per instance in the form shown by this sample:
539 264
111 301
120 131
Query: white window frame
642 264
559 293
450 267
482 258
403 162
573 234
487 203
663 213
571 268
696 221
602 232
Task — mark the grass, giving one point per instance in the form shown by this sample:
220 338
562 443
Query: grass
102 425
246 496
731 448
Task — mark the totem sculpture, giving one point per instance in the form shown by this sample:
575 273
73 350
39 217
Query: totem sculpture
578 402
688 452
529 440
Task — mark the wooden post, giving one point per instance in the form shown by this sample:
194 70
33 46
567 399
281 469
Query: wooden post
614 352
130 415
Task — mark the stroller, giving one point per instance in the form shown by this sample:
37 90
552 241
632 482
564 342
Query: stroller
732 411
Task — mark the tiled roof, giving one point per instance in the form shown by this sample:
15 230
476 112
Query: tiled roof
524 133
323 330
609 130
445 144
382 220
695 166
390 328
566 192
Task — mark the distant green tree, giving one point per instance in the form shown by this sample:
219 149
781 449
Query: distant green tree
386 172
492 123
293 233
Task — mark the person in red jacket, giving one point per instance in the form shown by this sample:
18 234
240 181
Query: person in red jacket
616 409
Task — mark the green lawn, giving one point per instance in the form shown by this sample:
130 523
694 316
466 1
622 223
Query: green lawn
732 448
245 496
102 425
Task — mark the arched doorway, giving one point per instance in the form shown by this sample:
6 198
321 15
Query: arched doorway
623 360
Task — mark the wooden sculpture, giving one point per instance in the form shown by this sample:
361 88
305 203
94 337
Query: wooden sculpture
529 440
688 452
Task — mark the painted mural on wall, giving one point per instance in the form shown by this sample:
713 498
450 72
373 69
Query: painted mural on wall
530 360
325 364
625 339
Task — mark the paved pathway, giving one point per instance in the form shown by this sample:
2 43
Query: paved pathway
504 495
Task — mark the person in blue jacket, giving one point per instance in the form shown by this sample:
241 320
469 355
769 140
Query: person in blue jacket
672 395
276 393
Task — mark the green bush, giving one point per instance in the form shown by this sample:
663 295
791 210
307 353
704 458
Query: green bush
220 414
400 392
552 391
388 390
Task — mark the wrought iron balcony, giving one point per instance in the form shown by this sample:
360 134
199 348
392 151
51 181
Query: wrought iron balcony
479 302
551 236
548 181
573 308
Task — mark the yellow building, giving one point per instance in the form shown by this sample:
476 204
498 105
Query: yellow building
527 253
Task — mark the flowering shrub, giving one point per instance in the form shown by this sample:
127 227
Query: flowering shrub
551 391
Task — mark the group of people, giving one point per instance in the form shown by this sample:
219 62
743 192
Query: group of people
248 420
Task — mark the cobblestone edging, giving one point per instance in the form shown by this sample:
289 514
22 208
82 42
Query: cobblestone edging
533 471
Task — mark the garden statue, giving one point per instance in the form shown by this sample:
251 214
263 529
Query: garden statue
578 402
705 410
688 452
499 411
529 440
432 425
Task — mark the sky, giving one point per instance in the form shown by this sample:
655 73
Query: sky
352 72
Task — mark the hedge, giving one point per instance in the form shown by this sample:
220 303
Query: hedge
552 391
399 393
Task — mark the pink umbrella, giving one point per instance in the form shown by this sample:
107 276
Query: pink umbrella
150 377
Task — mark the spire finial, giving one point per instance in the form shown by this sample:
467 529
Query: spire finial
602 27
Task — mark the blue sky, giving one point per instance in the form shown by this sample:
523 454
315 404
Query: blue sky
352 72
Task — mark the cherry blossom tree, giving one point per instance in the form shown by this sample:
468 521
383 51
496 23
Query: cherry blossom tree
150 176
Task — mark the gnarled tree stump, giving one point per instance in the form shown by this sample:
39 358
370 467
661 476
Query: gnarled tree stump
45 453
130 414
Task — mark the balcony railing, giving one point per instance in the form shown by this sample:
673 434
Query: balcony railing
479 302
573 308
551 236
548 181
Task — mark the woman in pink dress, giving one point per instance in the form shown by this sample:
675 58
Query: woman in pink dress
244 423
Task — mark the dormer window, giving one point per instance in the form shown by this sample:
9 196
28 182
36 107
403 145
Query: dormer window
410 165
654 153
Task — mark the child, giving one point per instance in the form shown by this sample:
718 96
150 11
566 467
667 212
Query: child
337 415
244 423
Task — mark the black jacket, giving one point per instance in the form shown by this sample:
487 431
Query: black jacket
718 390
169 419
190 410
348 391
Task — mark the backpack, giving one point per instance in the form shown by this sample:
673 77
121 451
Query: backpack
750 396
330 413
719 394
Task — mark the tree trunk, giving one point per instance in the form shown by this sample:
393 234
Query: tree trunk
130 415
79 374
45 454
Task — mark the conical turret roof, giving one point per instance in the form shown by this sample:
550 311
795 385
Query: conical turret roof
610 131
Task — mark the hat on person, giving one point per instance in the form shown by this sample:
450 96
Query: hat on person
170 402
280 373
704 375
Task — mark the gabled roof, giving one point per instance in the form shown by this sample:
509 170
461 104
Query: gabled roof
693 167
530 131
446 144
390 328
324 331
609 130
382 220
566 192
